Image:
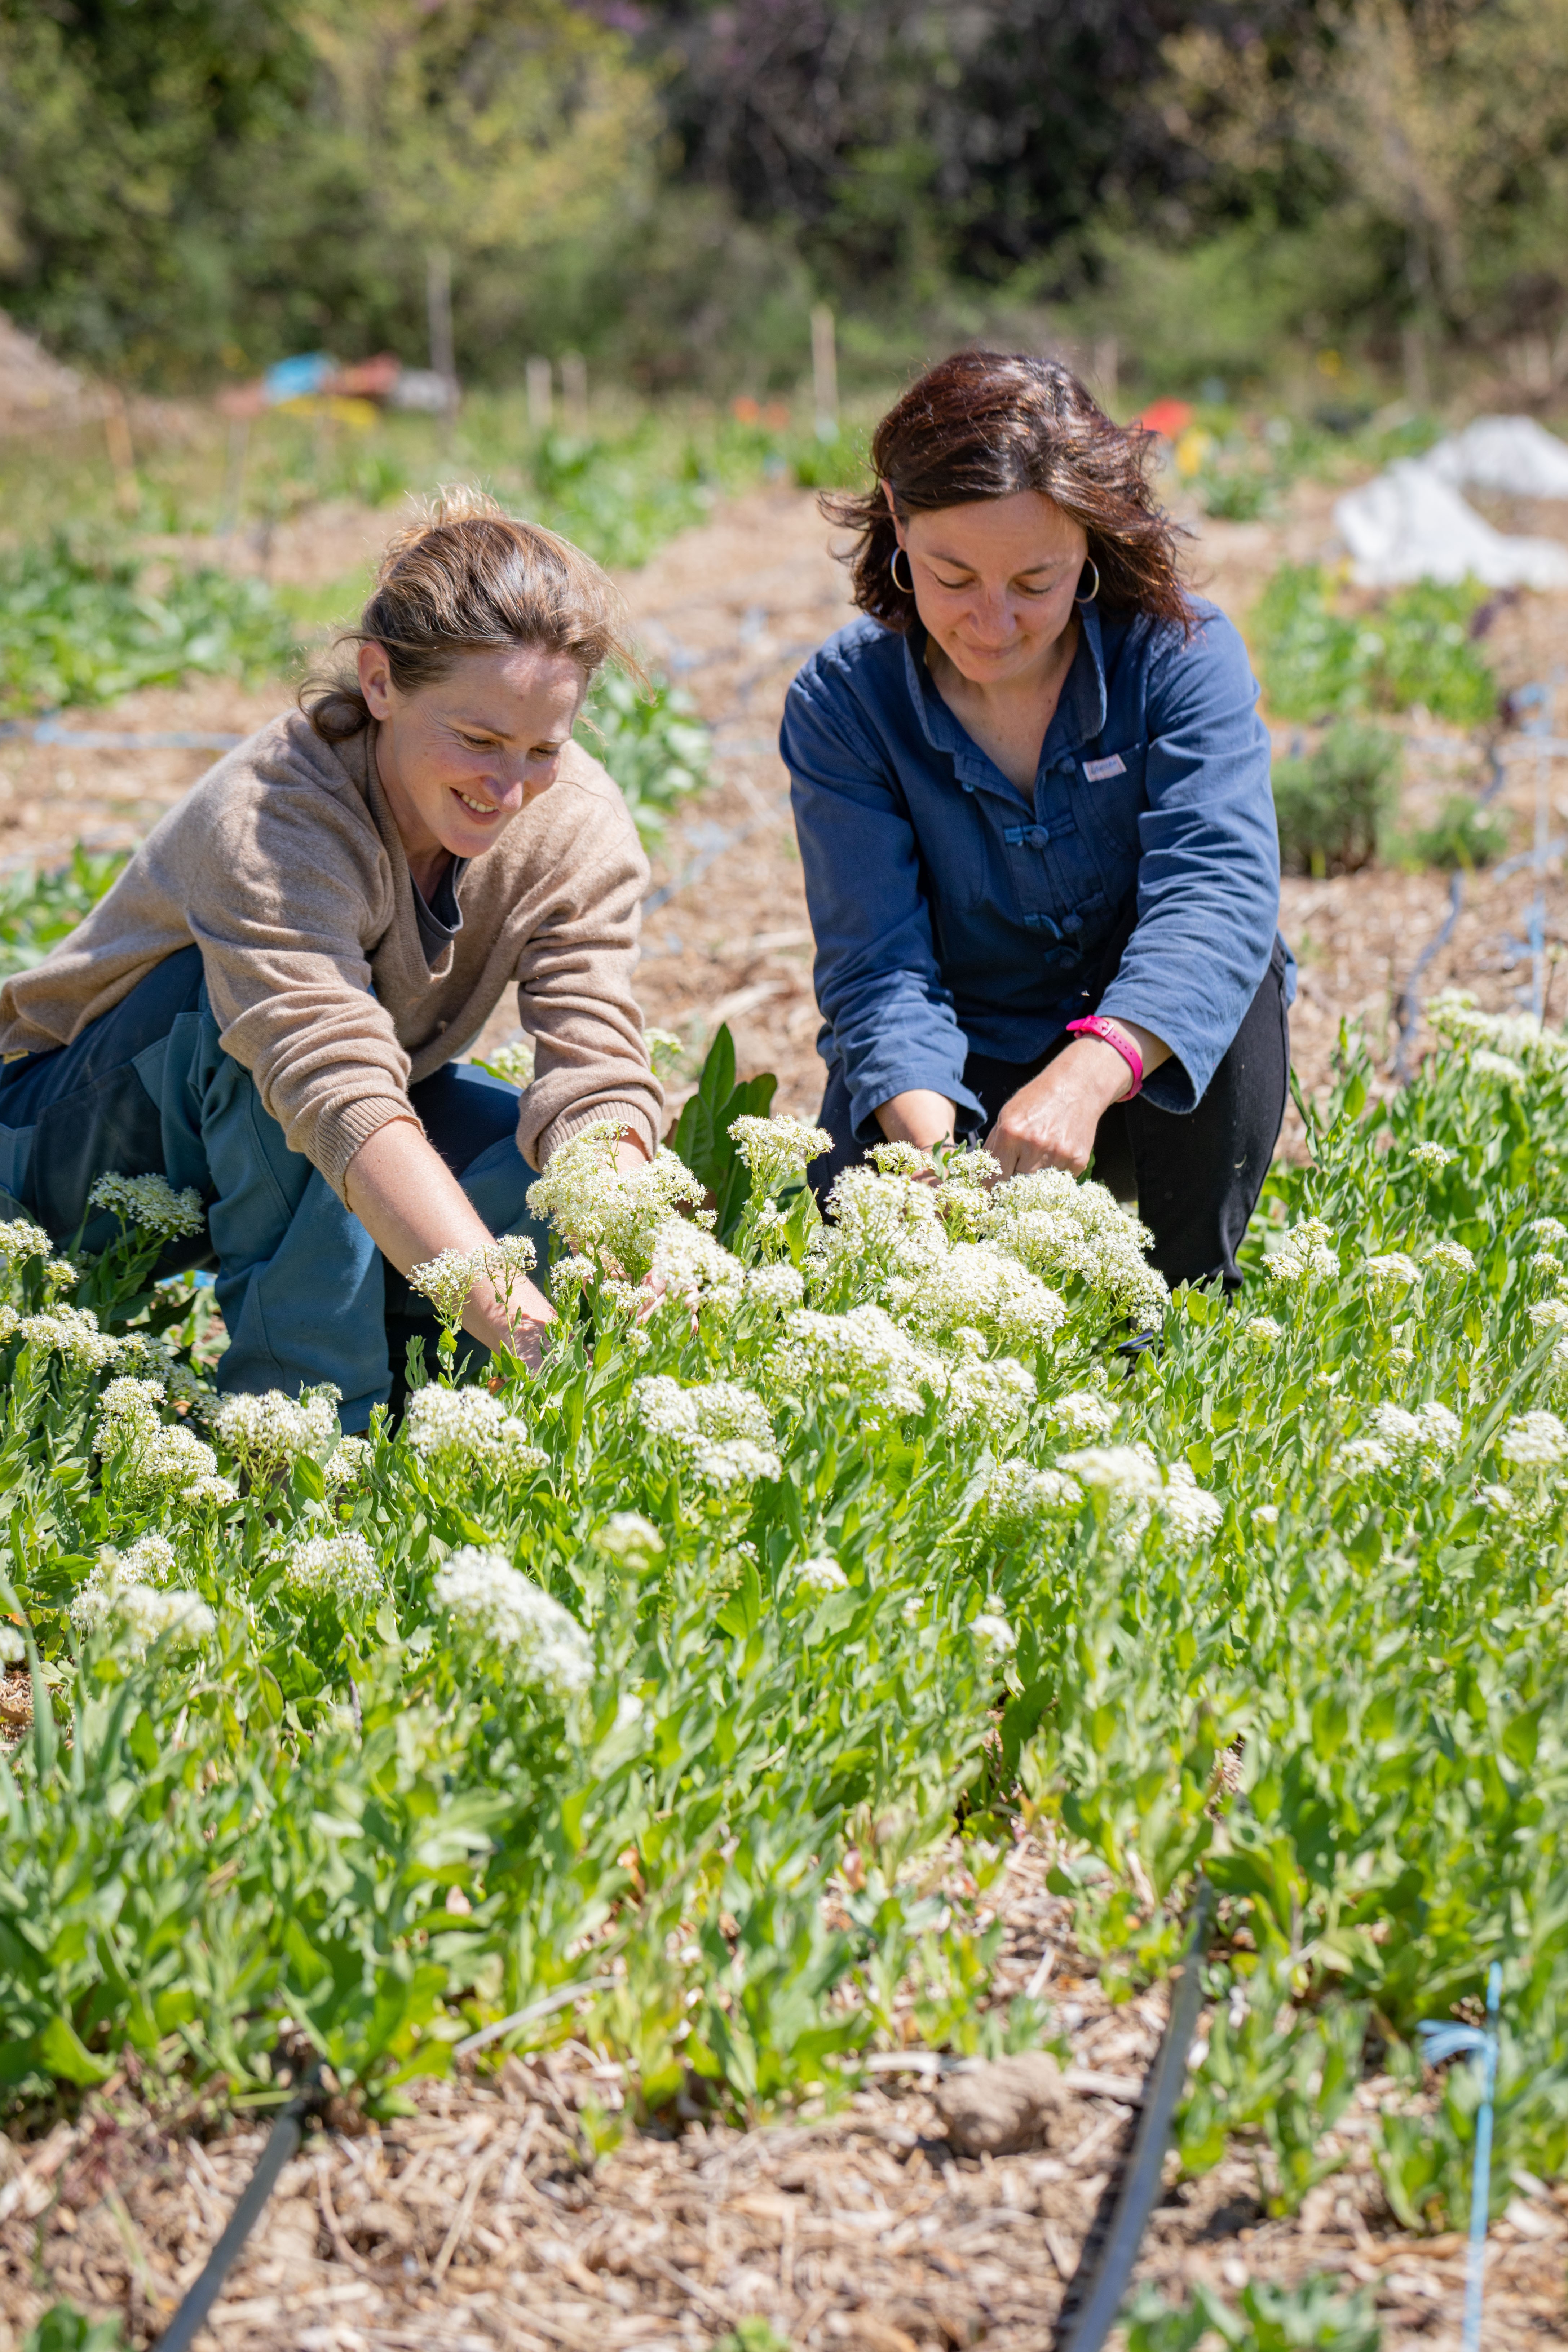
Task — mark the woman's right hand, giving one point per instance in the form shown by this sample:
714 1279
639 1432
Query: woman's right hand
412 1207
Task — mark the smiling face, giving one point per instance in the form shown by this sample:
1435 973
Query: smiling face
460 759
994 582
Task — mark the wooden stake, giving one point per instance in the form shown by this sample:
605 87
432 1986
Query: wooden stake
823 373
574 391
438 310
541 402
121 457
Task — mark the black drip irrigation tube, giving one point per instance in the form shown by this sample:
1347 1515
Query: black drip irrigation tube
1089 2311
1105 2268
282 2143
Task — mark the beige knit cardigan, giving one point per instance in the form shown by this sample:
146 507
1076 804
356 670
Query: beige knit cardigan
285 866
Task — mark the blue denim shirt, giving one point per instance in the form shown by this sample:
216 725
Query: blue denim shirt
952 917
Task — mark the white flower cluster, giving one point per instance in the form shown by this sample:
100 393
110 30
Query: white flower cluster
691 1270
19 1240
1549 1315
720 1430
446 1280
149 1354
342 1565
72 1334
267 1434
1432 1158
152 1203
1392 1270
171 1468
136 1591
775 1287
884 1223
1065 1231
1506 1044
1449 1258
1132 1476
993 1631
1127 1472
451 1429
128 1413
13 1648
777 1150
1084 1414
1536 1441
513 1061
1263 1331
1400 1437
347 1467
821 1573
1017 1491
977 1287
500 1607
1306 1254
603 1212
1550 1231
864 1353
628 1537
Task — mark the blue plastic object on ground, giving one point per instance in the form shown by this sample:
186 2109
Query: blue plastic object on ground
1440 2041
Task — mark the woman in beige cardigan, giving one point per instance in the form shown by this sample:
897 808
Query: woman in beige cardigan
269 1003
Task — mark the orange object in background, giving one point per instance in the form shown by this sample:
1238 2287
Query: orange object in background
1168 417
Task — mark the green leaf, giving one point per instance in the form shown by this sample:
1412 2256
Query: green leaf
62 2049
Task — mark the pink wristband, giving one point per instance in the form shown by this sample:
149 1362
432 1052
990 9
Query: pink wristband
1093 1026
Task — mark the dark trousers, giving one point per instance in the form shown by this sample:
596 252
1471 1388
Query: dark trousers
1195 1175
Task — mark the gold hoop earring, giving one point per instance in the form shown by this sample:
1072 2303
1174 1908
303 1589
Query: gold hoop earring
1095 589
893 571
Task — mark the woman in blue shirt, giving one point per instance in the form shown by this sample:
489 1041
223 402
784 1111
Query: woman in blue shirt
1031 791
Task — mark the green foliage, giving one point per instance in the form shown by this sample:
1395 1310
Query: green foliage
653 743
753 2336
37 910
702 1138
64 2328
1464 835
78 629
1319 661
1300 1626
1334 803
1312 2318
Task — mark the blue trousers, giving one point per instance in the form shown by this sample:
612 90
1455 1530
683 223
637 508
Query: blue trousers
304 1292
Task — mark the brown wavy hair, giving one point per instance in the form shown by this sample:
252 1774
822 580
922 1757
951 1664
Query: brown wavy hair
984 424
466 578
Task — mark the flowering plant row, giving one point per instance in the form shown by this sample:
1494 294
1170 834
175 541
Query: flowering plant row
838 1535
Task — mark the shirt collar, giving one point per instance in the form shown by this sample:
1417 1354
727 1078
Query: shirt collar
1078 717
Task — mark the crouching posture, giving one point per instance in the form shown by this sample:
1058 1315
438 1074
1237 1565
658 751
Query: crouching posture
271 1002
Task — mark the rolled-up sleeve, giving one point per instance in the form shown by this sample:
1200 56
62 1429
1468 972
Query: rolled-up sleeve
1208 871
891 1020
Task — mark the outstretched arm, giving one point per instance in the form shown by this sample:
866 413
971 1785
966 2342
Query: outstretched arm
412 1207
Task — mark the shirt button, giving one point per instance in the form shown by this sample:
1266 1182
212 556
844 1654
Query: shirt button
1037 835
965 782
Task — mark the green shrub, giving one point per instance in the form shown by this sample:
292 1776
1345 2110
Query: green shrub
1319 661
1465 835
1334 803
82 627
654 745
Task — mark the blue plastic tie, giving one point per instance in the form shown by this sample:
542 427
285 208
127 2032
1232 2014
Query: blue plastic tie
1441 2040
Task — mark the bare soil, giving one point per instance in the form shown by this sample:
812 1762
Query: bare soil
487 2219
507 2212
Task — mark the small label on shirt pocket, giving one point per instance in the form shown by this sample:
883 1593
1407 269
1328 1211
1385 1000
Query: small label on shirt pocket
1097 771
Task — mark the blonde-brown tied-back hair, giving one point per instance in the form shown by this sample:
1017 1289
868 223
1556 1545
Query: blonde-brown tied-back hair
466 578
